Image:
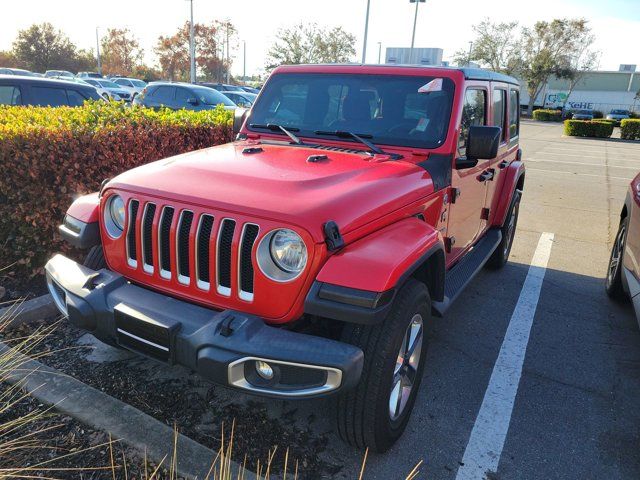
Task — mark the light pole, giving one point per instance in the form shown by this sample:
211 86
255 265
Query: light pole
366 32
244 61
192 47
415 20
98 52
379 51
469 58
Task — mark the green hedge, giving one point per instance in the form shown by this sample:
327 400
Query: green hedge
543 115
630 129
598 114
49 156
588 128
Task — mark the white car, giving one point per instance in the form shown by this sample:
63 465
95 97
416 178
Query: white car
132 85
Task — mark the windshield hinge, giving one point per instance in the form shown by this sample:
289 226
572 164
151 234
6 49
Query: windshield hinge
332 236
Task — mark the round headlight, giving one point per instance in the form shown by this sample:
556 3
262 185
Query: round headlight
114 216
288 251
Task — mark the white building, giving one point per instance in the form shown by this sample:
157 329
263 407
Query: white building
419 56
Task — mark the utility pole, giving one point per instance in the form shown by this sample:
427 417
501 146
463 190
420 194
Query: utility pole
244 61
469 58
415 21
227 32
192 47
98 52
379 51
366 32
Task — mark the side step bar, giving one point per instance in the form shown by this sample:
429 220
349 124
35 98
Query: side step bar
463 272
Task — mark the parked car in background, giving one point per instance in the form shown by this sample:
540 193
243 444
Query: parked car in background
131 85
17 71
115 91
618 115
241 98
182 95
19 90
101 91
221 87
89 75
623 275
583 115
249 89
58 73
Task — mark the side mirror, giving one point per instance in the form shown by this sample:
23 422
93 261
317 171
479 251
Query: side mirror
483 142
239 116
192 101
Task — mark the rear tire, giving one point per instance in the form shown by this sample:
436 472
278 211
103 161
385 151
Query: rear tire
376 412
613 282
95 258
500 255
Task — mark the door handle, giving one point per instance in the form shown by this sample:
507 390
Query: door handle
503 164
486 176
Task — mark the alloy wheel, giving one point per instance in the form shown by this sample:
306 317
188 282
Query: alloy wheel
406 367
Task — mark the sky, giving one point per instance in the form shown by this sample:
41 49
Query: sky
441 23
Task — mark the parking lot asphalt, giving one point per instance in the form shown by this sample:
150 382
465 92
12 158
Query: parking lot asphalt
576 409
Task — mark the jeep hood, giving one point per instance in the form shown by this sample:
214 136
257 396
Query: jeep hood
279 183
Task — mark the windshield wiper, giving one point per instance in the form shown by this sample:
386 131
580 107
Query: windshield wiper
360 138
279 128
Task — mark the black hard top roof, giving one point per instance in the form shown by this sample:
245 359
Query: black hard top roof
42 81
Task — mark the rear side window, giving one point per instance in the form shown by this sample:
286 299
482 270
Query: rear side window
47 96
474 112
163 94
500 111
10 95
514 113
182 95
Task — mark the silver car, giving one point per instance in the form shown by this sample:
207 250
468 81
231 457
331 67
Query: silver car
583 115
618 115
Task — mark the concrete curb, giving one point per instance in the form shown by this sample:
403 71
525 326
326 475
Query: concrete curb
106 413
29 311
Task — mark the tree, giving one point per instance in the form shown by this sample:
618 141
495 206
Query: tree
121 52
311 44
496 46
584 60
42 47
9 60
548 49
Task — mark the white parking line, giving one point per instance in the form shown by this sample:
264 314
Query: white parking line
536 160
489 432
626 179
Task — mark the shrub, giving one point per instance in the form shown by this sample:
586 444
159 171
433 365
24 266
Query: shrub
547 115
630 129
49 156
598 114
634 115
588 128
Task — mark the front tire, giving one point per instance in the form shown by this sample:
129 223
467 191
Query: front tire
376 412
613 282
500 256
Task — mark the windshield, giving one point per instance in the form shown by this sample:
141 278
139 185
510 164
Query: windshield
138 83
620 112
584 112
387 107
108 84
209 96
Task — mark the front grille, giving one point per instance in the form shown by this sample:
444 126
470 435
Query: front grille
192 247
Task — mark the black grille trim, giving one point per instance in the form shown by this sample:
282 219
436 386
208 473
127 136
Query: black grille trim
225 241
146 229
132 251
182 246
164 242
203 243
249 235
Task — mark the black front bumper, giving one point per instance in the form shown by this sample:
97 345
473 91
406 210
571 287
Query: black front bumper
222 346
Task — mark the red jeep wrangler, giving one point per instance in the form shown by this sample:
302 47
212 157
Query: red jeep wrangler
305 258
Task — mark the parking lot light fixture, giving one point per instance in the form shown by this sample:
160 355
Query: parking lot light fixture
415 20
366 31
192 47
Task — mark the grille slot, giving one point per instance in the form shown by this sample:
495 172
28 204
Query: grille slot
164 239
182 246
249 235
225 240
203 241
132 251
147 236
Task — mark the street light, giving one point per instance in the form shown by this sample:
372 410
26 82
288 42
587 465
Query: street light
192 47
98 52
366 31
379 51
415 20
469 58
244 61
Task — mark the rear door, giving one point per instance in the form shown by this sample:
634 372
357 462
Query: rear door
496 166
162 96
47 96
10 94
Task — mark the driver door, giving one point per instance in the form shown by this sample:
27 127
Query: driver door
469 190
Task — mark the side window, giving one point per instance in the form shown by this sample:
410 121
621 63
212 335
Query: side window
163 94
473 113
47 96
500 111
10 95
182 95
76 99
514 113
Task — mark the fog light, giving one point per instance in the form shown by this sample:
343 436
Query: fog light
264 370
